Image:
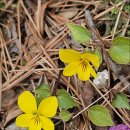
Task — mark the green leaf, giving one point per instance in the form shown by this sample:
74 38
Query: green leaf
79 33
42 92
120 51
100 116
115 11
2 4
99 54
120 101
65 115
127 8
65 100
24 62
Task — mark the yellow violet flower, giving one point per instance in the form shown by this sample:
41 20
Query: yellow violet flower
79 63
36 118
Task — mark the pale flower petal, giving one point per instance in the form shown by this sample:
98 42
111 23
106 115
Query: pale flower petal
94 59
48 106
47 124
35 124
71 69
24 120
27 102
119 127
83 73
79 63
92 71
69 55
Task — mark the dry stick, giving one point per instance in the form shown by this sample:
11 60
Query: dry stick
28 66
6 51
3 53
118 73
19 79
124 113
109 9
37 15
126 26
61 4
57 38
53 74
117 21
46 54
40 22
31 20
96 36
77 16
54 89
8 11
19 31
123 13
106 37
6 6
0 77
109 103
84 2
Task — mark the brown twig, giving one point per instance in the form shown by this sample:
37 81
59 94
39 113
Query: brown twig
95 35
0 78
109 9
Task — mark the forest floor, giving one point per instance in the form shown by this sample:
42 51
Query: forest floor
31 34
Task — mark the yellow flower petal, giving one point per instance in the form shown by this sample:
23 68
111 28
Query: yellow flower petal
27 102
94 59
35 124
83 73
47 124
24 120
71 68
69 55
92 71
48 106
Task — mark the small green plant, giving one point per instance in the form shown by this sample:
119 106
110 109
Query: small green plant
115 11
65 115
79 63
120 50
65 100
84 64
36 118
100 116
120 100
2 4
127 8
79 33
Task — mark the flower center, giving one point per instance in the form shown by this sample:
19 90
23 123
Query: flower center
36 119
84 63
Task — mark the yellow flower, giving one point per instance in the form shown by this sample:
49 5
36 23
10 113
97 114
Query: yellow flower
79 63
36 118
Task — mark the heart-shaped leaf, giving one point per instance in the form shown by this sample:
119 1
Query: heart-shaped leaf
120 101
99 54
42 92
65 100
65 115
100 116
79 33
120 51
